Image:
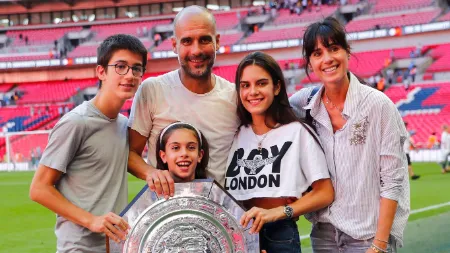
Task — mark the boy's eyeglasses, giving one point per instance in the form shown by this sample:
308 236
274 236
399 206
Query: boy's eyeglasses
122 69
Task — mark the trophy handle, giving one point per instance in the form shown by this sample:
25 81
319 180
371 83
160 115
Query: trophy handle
107 244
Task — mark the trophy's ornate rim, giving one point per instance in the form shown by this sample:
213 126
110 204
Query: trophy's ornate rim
188 196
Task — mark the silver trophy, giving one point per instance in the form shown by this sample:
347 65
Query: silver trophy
201 217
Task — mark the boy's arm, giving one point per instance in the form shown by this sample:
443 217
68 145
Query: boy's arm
43 191
158 181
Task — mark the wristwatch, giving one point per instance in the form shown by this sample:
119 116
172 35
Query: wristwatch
288 211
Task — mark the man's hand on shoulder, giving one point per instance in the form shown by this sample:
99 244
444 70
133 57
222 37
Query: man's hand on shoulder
161 182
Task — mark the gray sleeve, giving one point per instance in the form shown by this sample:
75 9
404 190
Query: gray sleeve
63 142
298 100
140 118
393 160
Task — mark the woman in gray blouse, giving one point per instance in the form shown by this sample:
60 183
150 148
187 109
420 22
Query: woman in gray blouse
362 134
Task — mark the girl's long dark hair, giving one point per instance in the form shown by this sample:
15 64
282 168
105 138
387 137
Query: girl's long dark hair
280 110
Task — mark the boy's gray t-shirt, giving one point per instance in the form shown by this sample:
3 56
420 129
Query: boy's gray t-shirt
92 152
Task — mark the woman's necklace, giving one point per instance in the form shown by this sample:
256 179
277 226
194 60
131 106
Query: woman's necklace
333 106
260 140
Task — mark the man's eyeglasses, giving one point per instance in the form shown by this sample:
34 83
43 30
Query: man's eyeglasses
122 69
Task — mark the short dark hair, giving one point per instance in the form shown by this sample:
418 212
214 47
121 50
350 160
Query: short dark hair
280 109
200 170
329 31
119 42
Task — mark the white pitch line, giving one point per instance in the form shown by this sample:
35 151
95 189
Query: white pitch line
428 208
420 210
302 237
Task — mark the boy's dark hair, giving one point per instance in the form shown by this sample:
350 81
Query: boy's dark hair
280 110
119 42
200 170
329 31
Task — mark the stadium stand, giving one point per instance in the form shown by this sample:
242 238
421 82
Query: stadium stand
423 104
445 17
132 28
441 54
285 17
20 119
87 49
275 34
166 45
52 91
39 36
367 22
399 5
5 87
426 106
228 20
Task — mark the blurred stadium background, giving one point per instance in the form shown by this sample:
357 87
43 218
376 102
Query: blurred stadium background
48 55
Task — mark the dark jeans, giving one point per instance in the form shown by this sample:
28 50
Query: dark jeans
280 237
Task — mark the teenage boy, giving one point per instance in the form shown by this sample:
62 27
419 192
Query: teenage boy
82 176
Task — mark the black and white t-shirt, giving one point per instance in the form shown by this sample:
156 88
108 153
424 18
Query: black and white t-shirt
288 163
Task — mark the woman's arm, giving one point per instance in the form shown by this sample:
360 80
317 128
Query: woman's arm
321 195
388 208
393 171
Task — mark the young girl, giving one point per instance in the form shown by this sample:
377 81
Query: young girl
274 158
183 151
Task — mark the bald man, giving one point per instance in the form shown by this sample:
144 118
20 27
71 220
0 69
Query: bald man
191 94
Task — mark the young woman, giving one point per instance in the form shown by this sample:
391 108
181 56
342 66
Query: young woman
362 134
183 151
274 158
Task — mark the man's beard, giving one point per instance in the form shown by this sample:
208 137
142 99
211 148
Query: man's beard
194 73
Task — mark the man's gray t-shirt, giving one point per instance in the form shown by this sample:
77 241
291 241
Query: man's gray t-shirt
92 152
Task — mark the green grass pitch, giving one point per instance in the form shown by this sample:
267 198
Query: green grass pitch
29 227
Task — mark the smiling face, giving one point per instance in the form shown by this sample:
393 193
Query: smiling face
196 43
118 86
330 63
182 154
257 90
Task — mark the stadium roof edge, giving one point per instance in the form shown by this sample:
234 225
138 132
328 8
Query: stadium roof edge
100 22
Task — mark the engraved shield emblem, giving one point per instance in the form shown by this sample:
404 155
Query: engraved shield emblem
201 217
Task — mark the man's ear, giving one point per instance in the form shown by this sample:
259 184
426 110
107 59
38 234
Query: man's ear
101 72
217 42
174 44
